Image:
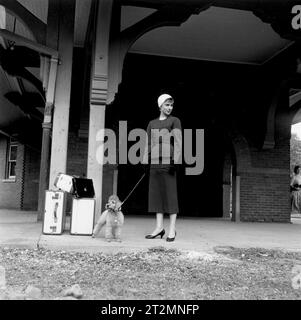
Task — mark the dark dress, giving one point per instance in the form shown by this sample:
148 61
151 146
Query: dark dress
162 155
296 195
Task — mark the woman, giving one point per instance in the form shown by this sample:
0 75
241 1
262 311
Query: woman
164 155
296 190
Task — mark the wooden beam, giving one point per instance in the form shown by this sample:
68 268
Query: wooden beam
235 4
34 24
122 41
28 43
167 16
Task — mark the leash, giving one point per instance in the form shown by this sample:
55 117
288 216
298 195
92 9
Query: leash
133 189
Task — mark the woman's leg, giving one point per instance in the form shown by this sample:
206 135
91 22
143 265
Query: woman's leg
172 225
159 223
295 202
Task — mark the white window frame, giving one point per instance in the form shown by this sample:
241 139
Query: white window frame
9 161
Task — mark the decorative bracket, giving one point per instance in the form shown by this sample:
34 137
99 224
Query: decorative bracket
99 90
166 16
173 15
285 85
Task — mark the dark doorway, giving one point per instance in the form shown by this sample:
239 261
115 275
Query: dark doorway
196 102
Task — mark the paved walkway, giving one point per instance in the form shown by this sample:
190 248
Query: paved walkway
20 229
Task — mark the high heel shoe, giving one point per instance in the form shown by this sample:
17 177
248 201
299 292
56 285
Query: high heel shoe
168 239
150 236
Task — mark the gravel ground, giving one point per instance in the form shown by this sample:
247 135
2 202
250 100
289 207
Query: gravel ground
229 273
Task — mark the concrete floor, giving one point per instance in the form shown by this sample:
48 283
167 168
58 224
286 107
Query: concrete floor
20 229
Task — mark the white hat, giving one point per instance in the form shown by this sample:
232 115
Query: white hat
163 98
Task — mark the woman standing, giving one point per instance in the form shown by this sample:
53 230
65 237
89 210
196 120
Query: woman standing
296 190
164 154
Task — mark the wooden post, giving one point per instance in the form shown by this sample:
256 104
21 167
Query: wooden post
60 129
99 93
46 139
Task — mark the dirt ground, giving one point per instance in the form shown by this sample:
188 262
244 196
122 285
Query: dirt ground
229 273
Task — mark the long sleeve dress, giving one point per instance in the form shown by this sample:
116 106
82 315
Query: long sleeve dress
296 194
163 153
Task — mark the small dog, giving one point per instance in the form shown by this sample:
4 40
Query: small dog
113 218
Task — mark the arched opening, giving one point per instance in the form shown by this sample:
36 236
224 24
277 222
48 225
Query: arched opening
210 95
200 102
295 146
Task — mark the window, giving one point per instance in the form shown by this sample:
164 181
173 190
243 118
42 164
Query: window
11 159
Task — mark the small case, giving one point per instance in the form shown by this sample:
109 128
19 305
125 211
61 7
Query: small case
83 188
64 182
82 217
54 214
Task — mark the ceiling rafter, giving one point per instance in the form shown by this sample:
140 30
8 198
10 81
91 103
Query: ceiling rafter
34 24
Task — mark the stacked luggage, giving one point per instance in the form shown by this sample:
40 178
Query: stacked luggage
83 206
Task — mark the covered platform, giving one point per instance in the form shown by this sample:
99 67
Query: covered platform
21 229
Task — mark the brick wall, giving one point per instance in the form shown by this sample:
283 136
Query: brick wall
264 193
10 191
264 196
76 160
77 155
21 193
227 197
77 165
29 199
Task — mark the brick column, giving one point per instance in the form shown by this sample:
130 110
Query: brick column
227 186
264 187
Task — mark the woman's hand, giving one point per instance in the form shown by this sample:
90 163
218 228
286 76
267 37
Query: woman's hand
173 169
145 167
295 187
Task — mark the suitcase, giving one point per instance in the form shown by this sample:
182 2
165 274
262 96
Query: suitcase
82 216
83 188
64 182
54 214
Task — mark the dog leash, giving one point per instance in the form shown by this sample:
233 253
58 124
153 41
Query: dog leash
133 189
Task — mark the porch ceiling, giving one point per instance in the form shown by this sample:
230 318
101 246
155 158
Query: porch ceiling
216 34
